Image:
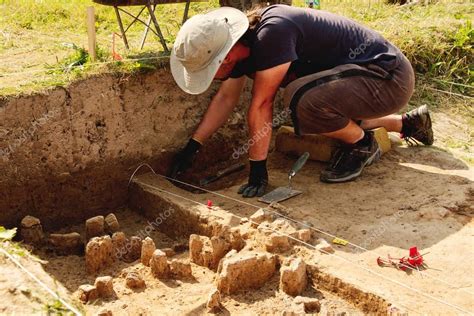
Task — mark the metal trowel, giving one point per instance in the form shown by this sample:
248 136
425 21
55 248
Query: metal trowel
284 193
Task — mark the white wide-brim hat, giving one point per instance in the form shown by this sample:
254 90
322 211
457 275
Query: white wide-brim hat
201 46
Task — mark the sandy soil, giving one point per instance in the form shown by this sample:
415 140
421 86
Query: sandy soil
421 196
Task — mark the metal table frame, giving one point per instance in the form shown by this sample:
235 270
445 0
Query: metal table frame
136 18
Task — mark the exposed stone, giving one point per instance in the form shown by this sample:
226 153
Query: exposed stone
295 310
310 304
235 239
159 264
259 217
67 244
148 247
133 249
105 286
245 270
244 220
111 223
200 250
277 243
119 241
180 269
134 281
214 300
293 279
169 252
31 230
207 252
99 253
88 293
304 234
104 312
324 247
95 227
219 248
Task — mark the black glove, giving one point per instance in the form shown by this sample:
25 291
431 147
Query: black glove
258 179
184 159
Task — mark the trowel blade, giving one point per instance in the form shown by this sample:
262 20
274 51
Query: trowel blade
279 194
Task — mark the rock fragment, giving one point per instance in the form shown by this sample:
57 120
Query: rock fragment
245 270
119 241
99 253
95 227
180 269
104 312
88 293
133 249
324 247
259 217
214 300
293 279
148 247
310 304
134 281
169 252
105 286
277 243
67 244
159 264
111 224
31 230
207 252
304 234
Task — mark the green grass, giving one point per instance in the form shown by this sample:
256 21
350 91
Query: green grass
36 40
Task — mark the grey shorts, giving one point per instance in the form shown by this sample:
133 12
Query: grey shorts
326 101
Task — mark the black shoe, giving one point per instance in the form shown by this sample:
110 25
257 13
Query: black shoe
417 126
348 161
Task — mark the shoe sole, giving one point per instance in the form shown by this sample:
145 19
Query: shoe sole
375 157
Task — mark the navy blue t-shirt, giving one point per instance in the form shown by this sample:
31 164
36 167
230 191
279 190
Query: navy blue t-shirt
313 40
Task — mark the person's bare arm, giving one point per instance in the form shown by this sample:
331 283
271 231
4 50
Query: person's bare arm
260 113
220 108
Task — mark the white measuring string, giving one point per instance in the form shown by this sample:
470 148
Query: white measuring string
314 247
296 221
44 286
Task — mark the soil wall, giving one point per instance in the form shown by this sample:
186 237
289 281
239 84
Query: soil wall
67 153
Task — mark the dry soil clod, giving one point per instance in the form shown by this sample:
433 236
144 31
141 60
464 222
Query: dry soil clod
259 217
104 312
310 305
111 224
293 279
88 293
99 253
148 247
277 243
159 265
67 244
105 286
214 300
180 269
245 270
133 249
134 281
304 234
324 247
169 252
31 230
95 227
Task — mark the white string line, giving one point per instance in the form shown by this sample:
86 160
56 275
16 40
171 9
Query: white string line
332 254
44 286
301 223
87 64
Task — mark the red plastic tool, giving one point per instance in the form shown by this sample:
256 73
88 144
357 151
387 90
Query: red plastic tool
209 204
414 261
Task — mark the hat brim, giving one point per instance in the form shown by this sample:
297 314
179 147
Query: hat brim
199 81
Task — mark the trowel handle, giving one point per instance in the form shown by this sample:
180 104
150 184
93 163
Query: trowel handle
298 164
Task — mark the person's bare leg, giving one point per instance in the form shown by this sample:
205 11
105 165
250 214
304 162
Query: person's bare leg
392 123
350 134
